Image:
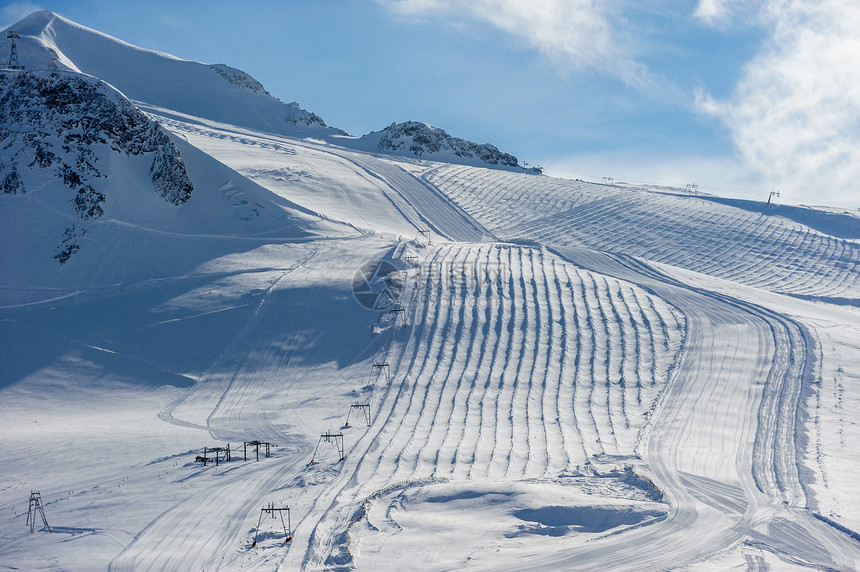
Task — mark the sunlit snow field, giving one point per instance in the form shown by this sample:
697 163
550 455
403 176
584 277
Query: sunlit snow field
568 375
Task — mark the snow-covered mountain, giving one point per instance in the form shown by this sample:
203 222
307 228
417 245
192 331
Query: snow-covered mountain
74 133
216 92
582 376
78 156
69 124
415 139
74 127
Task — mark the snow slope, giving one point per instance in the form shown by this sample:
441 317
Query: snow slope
759 248
217 92
580 376
94 190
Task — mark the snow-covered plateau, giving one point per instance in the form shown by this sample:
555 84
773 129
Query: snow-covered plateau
453 363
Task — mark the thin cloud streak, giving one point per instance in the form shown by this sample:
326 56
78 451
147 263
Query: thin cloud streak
573 34
15 12
795 114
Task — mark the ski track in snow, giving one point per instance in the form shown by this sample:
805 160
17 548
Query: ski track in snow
479 393
731 408
536 340
413 198
683 231
476 396
165 544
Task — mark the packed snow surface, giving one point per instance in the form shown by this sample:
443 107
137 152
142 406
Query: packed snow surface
454 367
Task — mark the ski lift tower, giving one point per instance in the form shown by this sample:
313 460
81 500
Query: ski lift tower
12 36
272 509
329 437
36 507
384 368
771 195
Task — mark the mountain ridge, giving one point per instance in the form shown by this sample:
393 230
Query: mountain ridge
215 91
221 92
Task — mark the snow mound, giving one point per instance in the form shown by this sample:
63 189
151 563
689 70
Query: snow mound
217 92
498 515
415 139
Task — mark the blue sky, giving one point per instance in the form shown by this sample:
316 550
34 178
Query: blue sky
739 97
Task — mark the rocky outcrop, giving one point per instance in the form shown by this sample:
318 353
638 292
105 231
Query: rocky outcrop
239 78
422 140
61 123
299 116
295 114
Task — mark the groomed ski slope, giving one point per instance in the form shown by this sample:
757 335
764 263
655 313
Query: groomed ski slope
772 450
702 445
759 248
367 192
507 375
553 398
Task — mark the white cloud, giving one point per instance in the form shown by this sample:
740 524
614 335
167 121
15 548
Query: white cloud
714 11
795 114
15 12
574 34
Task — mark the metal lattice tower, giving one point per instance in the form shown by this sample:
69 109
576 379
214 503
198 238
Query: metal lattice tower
384 368
36 506
13 52
363 408
271 509
257 445
329 437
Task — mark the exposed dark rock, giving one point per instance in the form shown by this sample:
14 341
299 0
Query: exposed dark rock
69 244
62 122
301 116
10 180
168 172
239 78
422 140
88 203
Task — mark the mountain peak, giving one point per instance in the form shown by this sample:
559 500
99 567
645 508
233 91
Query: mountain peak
215 92
422 140
35 23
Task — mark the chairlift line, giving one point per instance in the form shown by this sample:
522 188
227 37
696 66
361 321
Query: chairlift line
365 409
257 445
578 135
